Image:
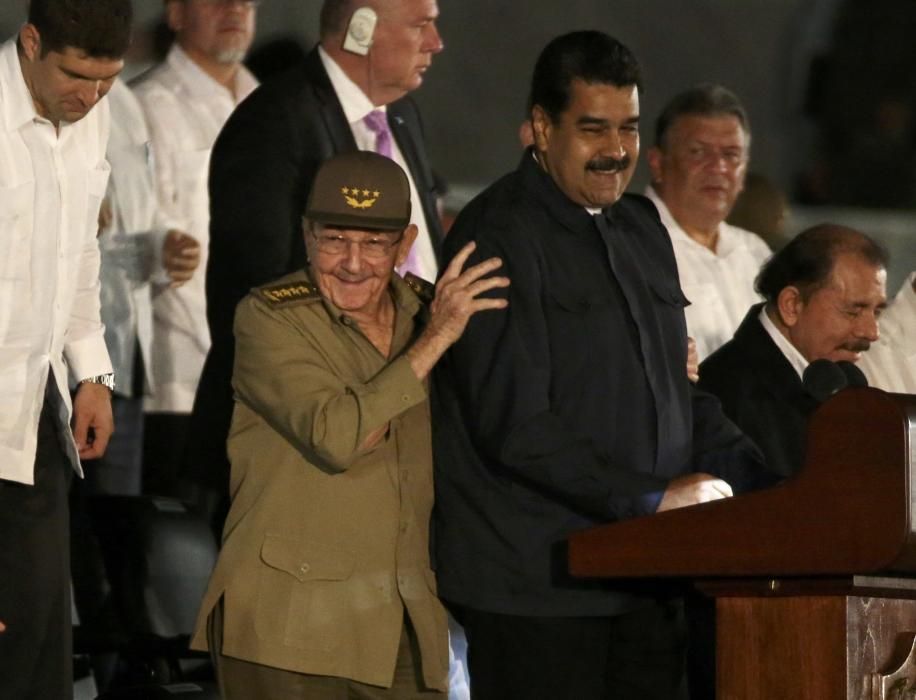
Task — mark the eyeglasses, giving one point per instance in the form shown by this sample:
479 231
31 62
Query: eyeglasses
374 247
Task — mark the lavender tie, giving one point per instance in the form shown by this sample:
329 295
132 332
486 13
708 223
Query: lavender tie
377 122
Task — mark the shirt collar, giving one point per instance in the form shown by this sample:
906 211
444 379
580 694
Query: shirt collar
17 107
201 83
791 353
675 230
353 100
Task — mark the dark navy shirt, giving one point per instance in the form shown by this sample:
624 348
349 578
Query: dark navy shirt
570 408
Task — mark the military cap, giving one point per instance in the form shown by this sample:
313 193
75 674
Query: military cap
360 190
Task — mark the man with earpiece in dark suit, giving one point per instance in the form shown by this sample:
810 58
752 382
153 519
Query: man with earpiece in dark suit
370 55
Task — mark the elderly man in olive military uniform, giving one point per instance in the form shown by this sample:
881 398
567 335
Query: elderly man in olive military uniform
323 587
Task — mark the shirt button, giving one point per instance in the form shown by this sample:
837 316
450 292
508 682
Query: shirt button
405 398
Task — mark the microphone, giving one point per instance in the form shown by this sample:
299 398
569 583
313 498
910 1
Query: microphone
823 378
854 376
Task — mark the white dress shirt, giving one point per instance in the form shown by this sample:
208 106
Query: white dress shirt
185 110
51 185
789 351
890 364
131 245
356 106
720 284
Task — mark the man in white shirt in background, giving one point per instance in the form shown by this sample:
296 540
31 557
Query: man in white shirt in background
890 362
186 100
141 256
53 134
698 164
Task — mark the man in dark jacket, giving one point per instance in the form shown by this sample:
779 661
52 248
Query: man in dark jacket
824 293
573 408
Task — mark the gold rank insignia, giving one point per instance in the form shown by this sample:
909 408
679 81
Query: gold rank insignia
423 289
357 198
284 294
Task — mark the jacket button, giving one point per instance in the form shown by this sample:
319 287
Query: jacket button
304 568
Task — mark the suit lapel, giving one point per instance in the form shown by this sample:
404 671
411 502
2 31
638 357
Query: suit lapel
332 114
407 134
776 372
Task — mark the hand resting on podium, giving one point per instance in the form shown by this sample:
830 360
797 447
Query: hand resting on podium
692 489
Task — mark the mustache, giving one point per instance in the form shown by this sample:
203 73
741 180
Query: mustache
608 164
857 346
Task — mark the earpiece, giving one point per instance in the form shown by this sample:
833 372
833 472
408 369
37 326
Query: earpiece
360 31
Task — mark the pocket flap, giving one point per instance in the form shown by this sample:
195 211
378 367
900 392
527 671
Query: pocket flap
97 181
578 302
16 201
670 293
306 561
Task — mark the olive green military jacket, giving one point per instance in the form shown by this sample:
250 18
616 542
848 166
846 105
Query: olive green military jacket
326 545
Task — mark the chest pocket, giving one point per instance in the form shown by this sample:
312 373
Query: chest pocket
16 223
579 302
670 294
670 302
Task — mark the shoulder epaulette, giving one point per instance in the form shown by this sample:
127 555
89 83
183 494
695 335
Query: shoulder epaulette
279 295
423 289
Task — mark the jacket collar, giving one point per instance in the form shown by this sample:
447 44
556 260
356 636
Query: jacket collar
766 358
332 114
16 106
537 181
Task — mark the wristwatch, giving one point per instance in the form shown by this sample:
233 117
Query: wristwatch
104 379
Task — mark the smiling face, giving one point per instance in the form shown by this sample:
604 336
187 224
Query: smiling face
699 169
592 148
839 321
212 30
348 273
64 85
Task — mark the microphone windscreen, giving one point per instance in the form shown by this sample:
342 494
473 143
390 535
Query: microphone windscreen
854 376
823 378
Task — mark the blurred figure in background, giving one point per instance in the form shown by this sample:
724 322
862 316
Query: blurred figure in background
140 258
698 163
186 101
890 363
762 208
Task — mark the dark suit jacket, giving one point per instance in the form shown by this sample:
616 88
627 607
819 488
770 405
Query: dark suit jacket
762 393
568 409
261 171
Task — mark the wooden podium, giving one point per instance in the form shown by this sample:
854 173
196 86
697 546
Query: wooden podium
814 579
